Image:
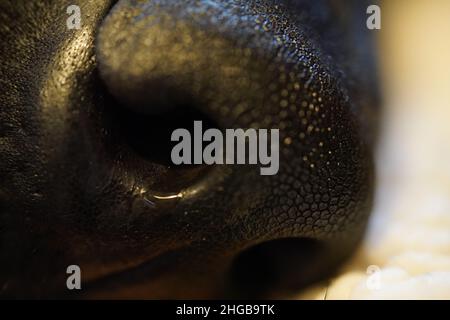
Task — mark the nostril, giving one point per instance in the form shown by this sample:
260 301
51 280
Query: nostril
142 142
276 266
149 135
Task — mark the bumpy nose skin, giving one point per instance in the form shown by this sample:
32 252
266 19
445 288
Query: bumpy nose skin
86 198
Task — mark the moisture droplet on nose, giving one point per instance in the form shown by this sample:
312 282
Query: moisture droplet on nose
156 201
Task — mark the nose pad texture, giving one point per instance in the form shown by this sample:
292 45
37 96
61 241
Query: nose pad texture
247 64
74 193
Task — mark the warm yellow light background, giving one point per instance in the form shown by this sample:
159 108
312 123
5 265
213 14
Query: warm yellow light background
409 235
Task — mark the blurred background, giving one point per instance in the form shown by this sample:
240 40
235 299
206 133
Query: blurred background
406 253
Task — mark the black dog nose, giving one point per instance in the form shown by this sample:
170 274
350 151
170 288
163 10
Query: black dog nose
84 166
246 64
